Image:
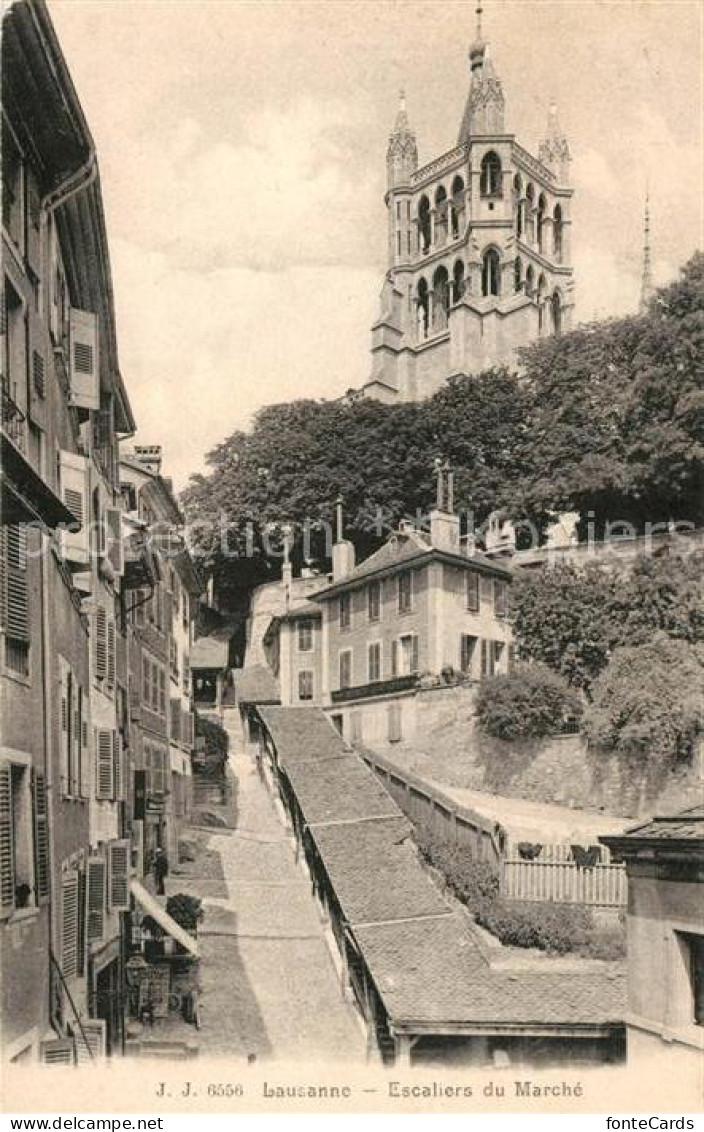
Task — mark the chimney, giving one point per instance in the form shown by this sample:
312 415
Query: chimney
149 455
343 561
444 523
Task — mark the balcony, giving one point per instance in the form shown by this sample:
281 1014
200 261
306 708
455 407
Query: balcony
378 688
26 498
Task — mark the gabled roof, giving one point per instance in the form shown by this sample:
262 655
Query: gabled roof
681 833
406 549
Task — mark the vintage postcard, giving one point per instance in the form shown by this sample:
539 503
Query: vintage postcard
351 639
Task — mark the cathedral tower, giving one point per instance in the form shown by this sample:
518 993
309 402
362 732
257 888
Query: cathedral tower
479 257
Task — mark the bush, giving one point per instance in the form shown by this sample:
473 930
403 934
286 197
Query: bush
529 703
559 929
185 910
217 742
649 700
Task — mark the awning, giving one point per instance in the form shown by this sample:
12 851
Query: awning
26 498
154 908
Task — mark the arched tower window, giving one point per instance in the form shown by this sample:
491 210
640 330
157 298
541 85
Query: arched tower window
540 221
440 215
518 204
490 178
542 288
441 298
423 310
457 206
557 233
458 281
530 280
491 272
556 312
517 274
528 217
424 226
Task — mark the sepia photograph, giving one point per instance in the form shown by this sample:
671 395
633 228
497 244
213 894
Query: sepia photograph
351 559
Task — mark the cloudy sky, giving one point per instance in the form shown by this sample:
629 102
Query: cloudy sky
242 150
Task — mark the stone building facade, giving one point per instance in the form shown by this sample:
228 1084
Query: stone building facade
479 258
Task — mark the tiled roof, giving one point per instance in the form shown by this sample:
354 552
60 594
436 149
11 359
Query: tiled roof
374 869
302 734
424 957
255 685
432 972
338 789
403 549
209 653
685 826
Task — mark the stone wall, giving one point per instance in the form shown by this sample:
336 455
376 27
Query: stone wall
448 747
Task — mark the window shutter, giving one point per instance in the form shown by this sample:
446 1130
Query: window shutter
487 590
95 899
69 924
41 837
115 547
105 771
119 874
16 602
394 658
485 658
57 1052
101 642
90 1040
162 691
118 773
85 363
414 655
64 709
111 657
74 477
7 853
84 769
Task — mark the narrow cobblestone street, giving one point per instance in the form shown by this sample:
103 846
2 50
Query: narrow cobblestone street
269 985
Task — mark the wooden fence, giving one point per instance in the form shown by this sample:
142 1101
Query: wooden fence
425 806
555 875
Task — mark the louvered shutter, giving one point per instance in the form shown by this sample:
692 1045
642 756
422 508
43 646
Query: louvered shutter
85 363
16 601
115 546
64 723
58 1052
74 480
7 852
104 770
119 875
394 658
95 899
111 655
162 691
118 774
82 911
485 658
84 769
101 642
41 837
414 655
69 924
3 572
90 1039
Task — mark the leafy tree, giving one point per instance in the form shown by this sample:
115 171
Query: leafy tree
649 700
527 704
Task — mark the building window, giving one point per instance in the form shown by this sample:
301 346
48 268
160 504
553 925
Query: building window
305 635
492 653
346 668
472 584
490 178
345 611
305 685
498 649
374 600
693 948
356 735
155 760
501 599
467 649
405 592
374 665
395 733
486 588
404 655
24 838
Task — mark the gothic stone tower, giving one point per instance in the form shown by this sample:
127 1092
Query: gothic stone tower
479 247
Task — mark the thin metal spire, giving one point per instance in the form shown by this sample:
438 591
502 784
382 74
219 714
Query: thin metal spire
646 287
480 11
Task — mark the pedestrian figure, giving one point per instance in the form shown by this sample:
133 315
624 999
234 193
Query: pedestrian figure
161 869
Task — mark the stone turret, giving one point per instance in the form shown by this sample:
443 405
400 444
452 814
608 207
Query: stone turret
484 111
402 154
554 149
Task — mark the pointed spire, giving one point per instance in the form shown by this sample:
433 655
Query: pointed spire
484 111
646 286
554 149
402 154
